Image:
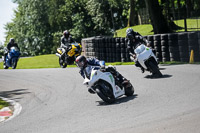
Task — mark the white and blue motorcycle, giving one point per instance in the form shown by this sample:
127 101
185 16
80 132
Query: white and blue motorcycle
106 86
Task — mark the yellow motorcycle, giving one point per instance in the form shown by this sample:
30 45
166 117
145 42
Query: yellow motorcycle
70 55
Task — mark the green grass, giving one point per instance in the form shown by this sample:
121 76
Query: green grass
3 104
142 29
47 61
147 29
43 61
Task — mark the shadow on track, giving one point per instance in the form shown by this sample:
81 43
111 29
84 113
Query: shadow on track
164 76
12 94
118 101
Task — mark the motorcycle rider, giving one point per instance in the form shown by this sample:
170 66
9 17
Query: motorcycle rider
85 64
66 41
9 45
134 40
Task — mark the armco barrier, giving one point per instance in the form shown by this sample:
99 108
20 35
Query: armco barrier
168 47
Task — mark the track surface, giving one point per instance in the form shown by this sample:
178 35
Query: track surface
55 101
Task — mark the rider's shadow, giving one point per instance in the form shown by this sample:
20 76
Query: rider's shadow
118 100
152 77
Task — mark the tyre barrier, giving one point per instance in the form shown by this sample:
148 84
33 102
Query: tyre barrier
157 47
183 46
165 48
168 47
193 45
173 47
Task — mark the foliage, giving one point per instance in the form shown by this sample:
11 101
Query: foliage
38 25
147 29
1 50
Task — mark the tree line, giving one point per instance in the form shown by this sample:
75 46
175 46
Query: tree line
38 24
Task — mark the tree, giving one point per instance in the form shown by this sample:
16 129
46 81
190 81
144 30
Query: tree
132 14
158 20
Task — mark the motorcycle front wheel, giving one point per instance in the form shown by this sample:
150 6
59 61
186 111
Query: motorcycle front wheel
129 89
103 96
155 69
14 64
62 63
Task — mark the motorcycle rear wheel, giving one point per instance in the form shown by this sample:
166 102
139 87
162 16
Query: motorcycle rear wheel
62 63
105 98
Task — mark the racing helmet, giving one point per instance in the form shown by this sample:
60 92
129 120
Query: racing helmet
12 40
129 33
81 61
66 33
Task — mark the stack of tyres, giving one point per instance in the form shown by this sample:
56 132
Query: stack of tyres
97 48
86 47
118 50
123 49
106 45
127 52
157 44
90 47
173 47
193 45
103 49
113 50
183 46
165 47
151 41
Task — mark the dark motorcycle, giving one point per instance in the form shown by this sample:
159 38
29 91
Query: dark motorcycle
12 58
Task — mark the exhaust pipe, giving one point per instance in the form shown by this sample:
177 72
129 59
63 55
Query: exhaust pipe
58 55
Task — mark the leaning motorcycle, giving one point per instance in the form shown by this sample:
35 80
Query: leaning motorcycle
12 58
68 57
147 59
105 85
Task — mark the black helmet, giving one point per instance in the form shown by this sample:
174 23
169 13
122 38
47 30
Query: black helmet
129 32
12 40
81 61
66 33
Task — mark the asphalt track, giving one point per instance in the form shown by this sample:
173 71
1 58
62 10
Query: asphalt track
55 101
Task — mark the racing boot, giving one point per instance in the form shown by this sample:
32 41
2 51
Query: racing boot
142 69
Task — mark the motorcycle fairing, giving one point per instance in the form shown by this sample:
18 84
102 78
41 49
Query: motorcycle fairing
12 56
97 75
145 55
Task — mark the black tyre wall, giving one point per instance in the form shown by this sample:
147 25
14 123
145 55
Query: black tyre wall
193 45
165 47
173 47
183 46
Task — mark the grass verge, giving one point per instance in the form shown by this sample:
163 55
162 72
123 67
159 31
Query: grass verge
147 29
48 61
3 104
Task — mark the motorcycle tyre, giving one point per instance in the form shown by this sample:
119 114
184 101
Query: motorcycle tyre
155 70
62 64
129 91
103 97
14 64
